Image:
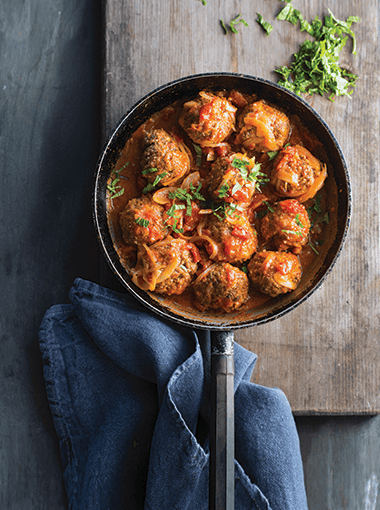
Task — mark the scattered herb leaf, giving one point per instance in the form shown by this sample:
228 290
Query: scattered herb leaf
238 19
298 221
142 221
272 154
149 171
269 207
198 154
224 26
292 232
313 247
266 26
223 190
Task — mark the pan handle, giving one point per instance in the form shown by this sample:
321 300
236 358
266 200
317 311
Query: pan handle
222 422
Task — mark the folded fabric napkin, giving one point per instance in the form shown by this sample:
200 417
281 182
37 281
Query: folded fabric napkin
129 391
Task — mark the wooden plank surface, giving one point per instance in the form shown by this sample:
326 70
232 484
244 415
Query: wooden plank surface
325 354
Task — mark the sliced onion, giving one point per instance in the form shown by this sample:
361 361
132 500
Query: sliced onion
262 130
267 262
285 281
203 274
315 187
286 176
161 196
170 268
193 178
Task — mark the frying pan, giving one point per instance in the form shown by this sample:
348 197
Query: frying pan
222 326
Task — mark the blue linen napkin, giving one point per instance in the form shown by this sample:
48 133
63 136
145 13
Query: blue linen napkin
128 392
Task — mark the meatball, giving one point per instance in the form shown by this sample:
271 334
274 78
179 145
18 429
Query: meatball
165 160
274 273
231 179
297 173
166 267
142 221
208 120
262 128
230 238
287 225
221 286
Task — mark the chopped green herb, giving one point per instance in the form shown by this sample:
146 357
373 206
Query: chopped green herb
114 189
266 26
298 221
142 221
195 192
150 186
204 2
241 164
270 209
272 154
292 232
313 247
224 26
198 153
244 269
238 19
175 229
149 171
175 207
289 13
315 68
223 190
326 218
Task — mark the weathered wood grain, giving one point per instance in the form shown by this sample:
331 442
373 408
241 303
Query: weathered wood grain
325 354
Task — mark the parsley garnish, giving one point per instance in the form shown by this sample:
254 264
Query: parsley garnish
298 221
142 221
292 232
315 68
114 189
223 190
150 186
270 209
238 19
198 152
266 26
313 247
272 154
204 2
149 171
175 229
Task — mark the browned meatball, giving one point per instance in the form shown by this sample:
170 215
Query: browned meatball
166 267
141 221
165 160
208 120
230 238
297 173
262 128
221 286
231 179
274 273
287 225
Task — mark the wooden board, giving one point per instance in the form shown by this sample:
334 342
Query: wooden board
325 354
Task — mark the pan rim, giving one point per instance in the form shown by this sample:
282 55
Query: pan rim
99 215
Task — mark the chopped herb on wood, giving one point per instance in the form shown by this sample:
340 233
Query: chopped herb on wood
266 26
315 68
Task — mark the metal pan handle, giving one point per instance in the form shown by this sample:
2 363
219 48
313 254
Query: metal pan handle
222 422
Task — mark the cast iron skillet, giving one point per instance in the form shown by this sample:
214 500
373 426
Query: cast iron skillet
222 326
